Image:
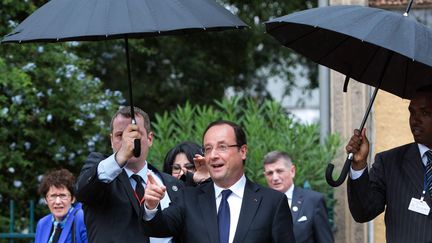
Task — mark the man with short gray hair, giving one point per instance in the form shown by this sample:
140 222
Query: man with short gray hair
309 213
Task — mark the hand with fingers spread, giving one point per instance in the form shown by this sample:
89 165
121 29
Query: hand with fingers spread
359 146
153 193
130 133
201 174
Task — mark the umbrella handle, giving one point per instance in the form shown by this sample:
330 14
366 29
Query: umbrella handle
137 142
137 148
342 176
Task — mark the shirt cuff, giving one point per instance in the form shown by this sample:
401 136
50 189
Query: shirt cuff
150 213
108 169
355 174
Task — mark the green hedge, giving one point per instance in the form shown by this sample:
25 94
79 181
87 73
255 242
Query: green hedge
268 127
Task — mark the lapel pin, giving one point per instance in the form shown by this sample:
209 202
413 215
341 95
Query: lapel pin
255 200
175 188
295 208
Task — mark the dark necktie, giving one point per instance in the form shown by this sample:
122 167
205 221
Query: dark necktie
139 189
429 171
224 217
57 232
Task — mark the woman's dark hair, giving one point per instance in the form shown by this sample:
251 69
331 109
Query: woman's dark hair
188 148
57 178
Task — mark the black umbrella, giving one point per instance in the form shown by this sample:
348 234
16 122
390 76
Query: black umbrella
93 20
387 50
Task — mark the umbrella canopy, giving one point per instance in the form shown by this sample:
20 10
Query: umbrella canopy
357 41
93 20
377 47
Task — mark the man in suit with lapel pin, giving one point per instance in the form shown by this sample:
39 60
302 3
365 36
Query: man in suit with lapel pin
229 209
111 188
400 180
308 207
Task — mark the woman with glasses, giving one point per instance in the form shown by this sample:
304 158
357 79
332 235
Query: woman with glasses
182 161
65 223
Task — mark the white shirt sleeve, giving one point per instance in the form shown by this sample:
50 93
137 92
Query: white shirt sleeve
108 169
355 174
149 213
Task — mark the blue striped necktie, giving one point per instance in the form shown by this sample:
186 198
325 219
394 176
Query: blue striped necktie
429 171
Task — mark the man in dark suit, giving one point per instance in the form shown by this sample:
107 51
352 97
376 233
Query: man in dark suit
398 181
230 208
111 188
308 207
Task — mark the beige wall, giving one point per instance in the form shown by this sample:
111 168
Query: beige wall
347 111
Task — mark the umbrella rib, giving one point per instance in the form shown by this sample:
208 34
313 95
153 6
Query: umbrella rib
335 47
369 62
288 43
406 78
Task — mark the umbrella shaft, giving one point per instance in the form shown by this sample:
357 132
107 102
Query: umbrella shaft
129 80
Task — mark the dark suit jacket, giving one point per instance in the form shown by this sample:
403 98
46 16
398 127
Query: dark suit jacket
111 211
264 216
310 218
396 176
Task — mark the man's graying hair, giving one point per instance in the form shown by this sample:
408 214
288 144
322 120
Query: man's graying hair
125 111
274 156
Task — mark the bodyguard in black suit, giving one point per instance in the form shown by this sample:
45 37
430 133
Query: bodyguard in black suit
230 208
106 188
399 181
308 207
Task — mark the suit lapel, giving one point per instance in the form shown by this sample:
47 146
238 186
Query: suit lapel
66 230
124 180
250 203
296 203
46 230
413 167
171 188
207 204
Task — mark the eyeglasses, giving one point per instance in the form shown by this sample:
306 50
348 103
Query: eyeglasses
176 168
270 173
62 197
220 148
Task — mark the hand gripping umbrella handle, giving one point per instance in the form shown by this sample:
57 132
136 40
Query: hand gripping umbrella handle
137 143
342 176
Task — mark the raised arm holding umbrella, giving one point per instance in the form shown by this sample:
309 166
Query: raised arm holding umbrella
391 52
386 50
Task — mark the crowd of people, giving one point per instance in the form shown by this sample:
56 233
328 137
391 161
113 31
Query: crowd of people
203 194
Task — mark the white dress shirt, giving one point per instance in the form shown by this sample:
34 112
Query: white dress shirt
234 201
108 169
289 194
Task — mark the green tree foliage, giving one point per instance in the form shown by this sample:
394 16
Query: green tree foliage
51 115
268 127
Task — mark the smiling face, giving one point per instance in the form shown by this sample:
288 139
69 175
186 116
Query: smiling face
59 201
225 167
279 175
420 120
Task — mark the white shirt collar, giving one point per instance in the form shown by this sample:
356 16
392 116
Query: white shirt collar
290 192
423 149
142 172
237 188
